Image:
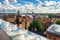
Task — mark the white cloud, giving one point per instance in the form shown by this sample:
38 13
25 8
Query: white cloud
40 2
0 3
15 1
37 0
50 3
39 5
29 7
6 2
58 4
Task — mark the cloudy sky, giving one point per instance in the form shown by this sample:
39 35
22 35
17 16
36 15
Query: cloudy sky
36 6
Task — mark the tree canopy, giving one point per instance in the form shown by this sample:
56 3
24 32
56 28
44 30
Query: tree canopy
36 24
50 15
58 22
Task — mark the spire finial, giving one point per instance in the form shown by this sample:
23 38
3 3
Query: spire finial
18 11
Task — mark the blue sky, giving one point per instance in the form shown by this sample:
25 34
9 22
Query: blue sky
33 1
37 6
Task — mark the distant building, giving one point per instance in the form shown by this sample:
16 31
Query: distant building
57 16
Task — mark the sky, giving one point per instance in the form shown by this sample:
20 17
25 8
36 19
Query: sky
29 6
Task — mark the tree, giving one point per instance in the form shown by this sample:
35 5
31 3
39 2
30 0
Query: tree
58 22
50 15
36 24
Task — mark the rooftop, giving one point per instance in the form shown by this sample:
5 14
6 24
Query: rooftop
54 29
17 33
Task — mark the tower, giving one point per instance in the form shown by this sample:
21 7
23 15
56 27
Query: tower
17 18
